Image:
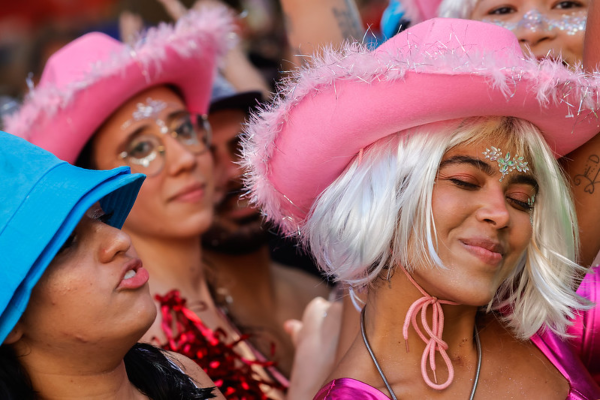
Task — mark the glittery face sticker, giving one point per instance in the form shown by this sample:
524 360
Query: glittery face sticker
506 164
535 21
151 109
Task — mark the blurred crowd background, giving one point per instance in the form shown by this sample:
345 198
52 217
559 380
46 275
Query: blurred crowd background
31 30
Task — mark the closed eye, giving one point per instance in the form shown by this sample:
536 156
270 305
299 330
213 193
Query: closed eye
463 184
522 205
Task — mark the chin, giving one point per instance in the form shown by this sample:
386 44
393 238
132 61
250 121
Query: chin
144 314
190 225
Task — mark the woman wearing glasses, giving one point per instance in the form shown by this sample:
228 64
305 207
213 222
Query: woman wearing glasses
101 105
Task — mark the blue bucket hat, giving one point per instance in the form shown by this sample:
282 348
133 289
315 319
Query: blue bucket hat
41 202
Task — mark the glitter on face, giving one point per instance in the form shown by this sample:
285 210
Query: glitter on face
150 109
506 164
534 21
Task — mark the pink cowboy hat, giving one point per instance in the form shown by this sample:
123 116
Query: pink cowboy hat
439 70
421 10
88 79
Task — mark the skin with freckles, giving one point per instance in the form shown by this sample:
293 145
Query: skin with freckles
551 28
82 309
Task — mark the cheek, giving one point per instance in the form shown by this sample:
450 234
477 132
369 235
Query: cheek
449 209
573 43
522 232
148 202
63 304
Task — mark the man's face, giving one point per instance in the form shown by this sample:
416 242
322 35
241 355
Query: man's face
237 227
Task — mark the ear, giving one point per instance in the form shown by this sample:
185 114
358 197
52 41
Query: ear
15 335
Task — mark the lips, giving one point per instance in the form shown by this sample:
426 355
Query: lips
133 275
190 193
486 250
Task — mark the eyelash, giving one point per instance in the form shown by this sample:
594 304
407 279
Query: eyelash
467 185
68 243
104 218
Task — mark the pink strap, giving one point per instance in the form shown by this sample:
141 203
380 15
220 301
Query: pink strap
434 342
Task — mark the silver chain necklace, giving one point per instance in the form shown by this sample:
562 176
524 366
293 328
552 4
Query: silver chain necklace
387 385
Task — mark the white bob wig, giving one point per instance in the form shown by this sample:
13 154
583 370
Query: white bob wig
456 8
361 225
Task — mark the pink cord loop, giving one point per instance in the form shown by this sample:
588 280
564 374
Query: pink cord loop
434 342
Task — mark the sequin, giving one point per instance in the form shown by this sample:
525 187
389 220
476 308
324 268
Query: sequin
506 164
534 20
150 109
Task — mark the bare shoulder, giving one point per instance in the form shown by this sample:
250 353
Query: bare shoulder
302 284
193 371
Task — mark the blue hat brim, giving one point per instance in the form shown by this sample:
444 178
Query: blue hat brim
47 217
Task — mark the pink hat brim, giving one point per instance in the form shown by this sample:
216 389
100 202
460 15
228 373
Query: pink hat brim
62 119
349 100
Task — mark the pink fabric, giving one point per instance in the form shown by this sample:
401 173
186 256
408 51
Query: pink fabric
440 70
586 329
348 388
557 351
84 82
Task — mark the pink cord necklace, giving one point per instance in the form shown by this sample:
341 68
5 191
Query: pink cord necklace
433 343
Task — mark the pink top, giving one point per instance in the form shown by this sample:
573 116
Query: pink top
557 351
586 328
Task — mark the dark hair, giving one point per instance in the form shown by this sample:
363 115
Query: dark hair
149 369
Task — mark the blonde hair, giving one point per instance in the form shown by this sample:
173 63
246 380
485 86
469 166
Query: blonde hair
363 222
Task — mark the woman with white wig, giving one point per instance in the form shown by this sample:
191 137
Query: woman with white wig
424 174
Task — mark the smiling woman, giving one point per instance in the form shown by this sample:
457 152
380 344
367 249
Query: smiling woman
440 198
73 288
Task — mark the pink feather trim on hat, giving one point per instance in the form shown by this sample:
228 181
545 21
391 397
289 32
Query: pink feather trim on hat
191 37
325 113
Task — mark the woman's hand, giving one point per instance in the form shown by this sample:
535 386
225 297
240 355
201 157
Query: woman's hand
316 339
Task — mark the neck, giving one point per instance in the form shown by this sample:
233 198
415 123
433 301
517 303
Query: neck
173 263
388 306
78 375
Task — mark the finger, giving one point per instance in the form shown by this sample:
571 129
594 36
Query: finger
174 8
292 328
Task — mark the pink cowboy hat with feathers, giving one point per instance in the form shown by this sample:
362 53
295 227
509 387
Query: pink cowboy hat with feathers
87 80
439 70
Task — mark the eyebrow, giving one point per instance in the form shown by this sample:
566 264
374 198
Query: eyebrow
523 180
476 162
486 168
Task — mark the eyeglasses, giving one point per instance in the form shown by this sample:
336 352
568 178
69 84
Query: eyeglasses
145 152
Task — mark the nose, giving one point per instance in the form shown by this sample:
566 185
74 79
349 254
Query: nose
533 29
113 242
493 209
178 157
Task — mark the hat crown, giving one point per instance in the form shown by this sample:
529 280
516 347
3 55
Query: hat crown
75 61
442 36
17 177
